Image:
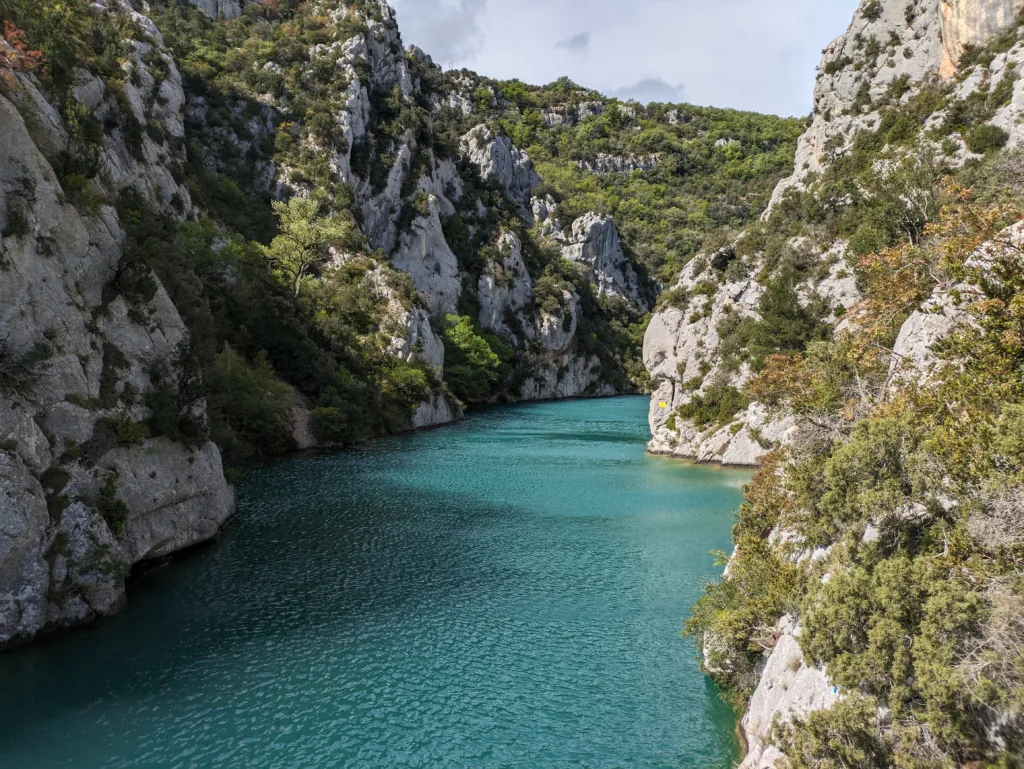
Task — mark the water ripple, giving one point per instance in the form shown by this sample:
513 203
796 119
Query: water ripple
503 593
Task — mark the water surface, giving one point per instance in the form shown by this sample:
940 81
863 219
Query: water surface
505 592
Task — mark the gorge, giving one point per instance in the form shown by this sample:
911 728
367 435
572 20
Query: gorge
233 230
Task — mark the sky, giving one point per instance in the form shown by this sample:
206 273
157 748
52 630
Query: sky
745 54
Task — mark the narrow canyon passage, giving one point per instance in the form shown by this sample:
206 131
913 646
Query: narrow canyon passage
504 592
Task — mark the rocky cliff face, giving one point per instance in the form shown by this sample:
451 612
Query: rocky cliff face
595 245
683 353
888 44
891 42
86 493
960 52
89 340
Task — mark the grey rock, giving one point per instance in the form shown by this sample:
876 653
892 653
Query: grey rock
788 688
425 255
504 287
24 575
60 563
502 163
604 163
595 245
220 9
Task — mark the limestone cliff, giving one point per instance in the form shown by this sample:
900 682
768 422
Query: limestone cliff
86 493
926 62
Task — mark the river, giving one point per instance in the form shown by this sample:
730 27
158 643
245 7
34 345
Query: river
505 592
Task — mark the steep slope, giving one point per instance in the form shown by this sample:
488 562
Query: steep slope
86 491
906 96
862 345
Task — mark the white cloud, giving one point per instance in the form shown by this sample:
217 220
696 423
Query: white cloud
650 89
576 44
747 54
446 29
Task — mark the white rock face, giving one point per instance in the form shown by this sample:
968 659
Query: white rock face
681 353
972 22
595 245
920 39
569 378
560 372
604 163
504 287
571 116
502 163
425 255
545 219
413 340
435 412
215 9
914 355
788 688
61 561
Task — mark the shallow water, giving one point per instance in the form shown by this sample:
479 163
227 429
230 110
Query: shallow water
505 592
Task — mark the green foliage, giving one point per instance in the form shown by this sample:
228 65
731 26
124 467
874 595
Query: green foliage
718 406
473 360
114 511
304 241
914 621
986 138
664 214
847 735
247 329
250 408
871 10
20 373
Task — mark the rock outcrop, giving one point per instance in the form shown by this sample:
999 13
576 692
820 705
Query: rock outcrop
972 22
502 163
788 688
425 255
595 245
504 288
912 42
682 354
86 491
572 115
220 9
619 164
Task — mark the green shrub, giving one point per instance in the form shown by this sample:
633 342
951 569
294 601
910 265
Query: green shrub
114 511
473 365
719 404
872 10
986 138
19 374
250 408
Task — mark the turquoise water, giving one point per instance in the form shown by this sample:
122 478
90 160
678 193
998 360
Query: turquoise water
505 592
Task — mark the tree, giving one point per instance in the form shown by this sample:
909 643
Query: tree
785 326
472 367
16 56
305 240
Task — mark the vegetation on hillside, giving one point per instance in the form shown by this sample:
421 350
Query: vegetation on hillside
712 169
915 489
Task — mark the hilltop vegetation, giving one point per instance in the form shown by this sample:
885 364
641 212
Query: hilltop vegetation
702 169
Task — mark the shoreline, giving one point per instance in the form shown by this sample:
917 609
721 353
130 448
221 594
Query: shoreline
698 462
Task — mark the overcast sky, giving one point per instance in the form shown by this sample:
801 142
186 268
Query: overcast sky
748 54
